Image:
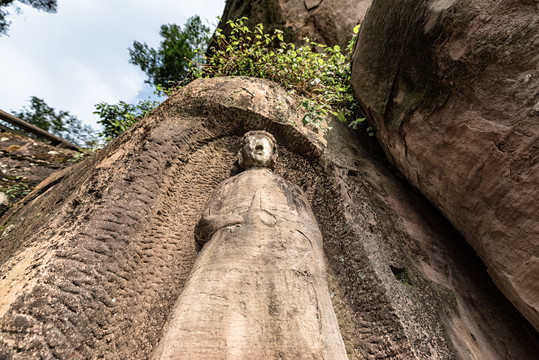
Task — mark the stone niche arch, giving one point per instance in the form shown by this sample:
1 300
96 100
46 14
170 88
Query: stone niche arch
94 258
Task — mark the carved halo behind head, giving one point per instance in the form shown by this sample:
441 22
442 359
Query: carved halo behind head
246 160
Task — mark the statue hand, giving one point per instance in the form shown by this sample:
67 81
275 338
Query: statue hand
230 219
208 225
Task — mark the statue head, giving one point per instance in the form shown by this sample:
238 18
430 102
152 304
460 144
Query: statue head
259 149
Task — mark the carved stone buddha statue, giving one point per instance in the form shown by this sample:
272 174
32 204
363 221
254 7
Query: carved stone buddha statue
258 289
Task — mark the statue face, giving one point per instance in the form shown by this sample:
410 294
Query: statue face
257 151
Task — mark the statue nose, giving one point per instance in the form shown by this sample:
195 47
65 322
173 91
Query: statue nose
259 147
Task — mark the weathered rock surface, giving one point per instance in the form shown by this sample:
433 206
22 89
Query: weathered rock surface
25 162
94 259
452 88
327 22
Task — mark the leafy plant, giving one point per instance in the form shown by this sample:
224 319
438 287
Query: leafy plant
165 67
60 123
162 90
49 6
117 118
169 64
14 188
319 75
19 189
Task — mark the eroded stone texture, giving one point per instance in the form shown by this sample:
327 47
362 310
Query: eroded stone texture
25 162
328 22
94 260
454 98
258 289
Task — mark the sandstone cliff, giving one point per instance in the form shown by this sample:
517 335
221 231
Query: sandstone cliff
94 259
452 88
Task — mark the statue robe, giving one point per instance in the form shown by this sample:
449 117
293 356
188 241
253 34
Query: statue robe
258 289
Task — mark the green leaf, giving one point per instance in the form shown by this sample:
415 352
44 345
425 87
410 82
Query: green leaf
306 119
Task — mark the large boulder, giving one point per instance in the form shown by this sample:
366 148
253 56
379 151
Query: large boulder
452 89
95 258
328 22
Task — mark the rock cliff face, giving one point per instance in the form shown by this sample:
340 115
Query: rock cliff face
24 163
452 88
94 259
328 22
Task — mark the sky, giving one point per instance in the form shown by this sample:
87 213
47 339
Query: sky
78 57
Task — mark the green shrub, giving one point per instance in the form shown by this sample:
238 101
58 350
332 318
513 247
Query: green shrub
319 75
117 118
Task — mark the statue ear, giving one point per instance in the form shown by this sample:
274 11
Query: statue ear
240 158
274 157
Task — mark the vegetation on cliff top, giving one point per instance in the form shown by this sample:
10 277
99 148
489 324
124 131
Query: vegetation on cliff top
317 75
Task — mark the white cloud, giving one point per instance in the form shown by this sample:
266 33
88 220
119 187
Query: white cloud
78 57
